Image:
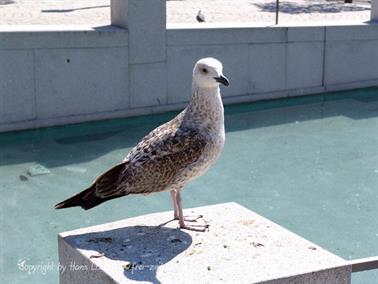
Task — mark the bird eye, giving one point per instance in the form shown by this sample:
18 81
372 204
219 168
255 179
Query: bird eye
204 70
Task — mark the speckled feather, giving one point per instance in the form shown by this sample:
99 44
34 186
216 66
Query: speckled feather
156 163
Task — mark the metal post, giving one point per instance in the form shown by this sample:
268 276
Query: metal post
277 10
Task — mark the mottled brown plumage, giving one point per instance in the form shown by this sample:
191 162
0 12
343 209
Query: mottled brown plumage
172 154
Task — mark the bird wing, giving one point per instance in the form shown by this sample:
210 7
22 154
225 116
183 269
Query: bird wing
154 164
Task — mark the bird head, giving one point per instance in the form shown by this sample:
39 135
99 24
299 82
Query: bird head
207 73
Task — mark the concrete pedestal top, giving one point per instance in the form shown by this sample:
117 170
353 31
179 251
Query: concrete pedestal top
239 247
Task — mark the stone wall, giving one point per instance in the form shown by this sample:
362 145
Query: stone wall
52 76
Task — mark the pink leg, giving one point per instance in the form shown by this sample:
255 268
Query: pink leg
199 228
175 208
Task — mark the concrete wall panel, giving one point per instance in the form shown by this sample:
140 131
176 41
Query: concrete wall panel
304 64
81 81
267 67
298 34
351 61
52 76
356 32
17 91
222 36
148 84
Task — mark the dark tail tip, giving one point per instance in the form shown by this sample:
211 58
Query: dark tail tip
85 199
71 202
76 200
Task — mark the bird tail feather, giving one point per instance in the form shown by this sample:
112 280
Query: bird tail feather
85 199
88 198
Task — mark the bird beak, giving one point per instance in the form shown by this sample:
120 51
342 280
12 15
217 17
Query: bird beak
223 80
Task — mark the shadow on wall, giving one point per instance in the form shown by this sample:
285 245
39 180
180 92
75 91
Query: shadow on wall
72 10
294 8
144 248
75 144
6 2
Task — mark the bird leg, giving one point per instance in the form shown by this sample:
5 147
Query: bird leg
177 204
175 208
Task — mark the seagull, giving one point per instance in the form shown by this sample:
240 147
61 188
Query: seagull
171 155
200 17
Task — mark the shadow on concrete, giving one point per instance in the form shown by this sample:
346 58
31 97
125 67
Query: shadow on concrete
143 248
6 2
73 9
73 145
295 8
108 28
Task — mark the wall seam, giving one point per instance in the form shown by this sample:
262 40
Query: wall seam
324 58
35 115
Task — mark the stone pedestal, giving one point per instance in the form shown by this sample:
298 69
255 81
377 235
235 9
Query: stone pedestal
240 247
374 10
145 21
146 24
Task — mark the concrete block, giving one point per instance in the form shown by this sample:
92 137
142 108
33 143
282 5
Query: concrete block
351 61
147 31
62 37
296 34
221 36
374 10
240 247
304 64
181 61
267 67
81 81
17 89
148 84
119 13
355 32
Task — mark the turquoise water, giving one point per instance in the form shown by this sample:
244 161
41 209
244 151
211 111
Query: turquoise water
310 164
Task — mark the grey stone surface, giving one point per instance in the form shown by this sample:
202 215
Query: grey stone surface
336 275
304 64
148 84
240 247
354 32
80 81
17 90
374 10
197 35
298 34
180 67
351 61
61 37
267 67
119 13
147 32
364 264
77 265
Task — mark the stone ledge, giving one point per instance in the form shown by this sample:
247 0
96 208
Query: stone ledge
50 37
240 247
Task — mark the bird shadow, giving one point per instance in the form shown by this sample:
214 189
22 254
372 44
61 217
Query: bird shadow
295 8
143 249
